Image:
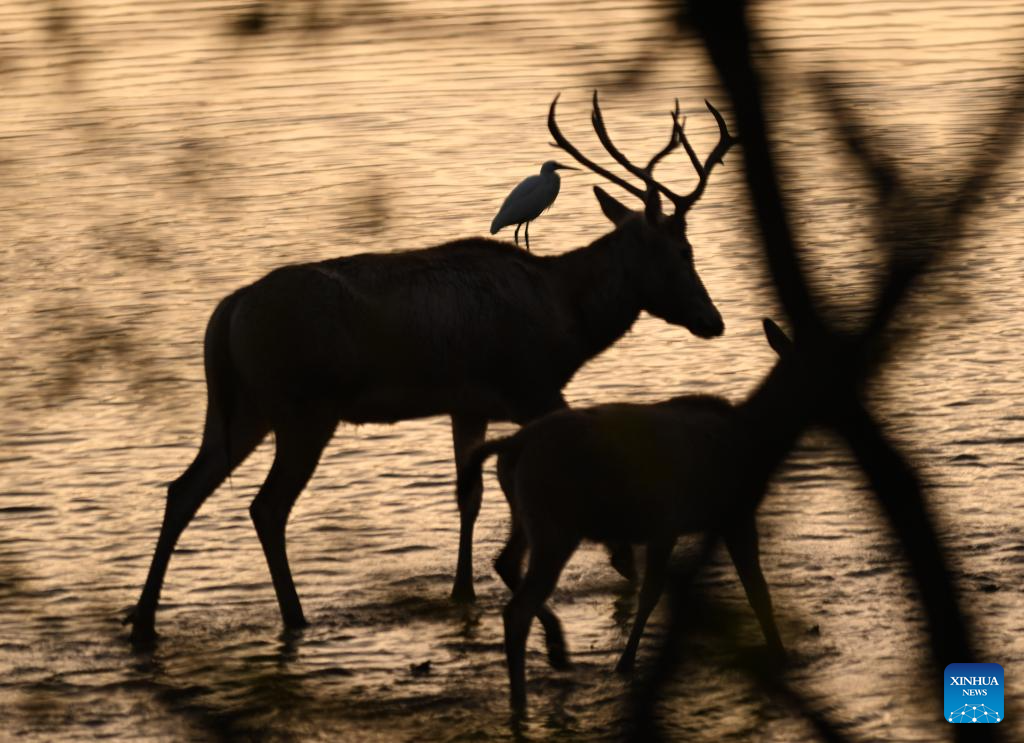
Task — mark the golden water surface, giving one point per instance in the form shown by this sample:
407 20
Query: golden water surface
156 155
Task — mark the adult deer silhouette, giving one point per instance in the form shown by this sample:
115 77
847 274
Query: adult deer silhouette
644 474
475 329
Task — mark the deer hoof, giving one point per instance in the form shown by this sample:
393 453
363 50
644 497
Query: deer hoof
625 666
778 656
558 656
295 623
560 662
517 704
143 636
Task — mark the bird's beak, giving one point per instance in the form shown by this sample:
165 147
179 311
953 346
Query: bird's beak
559 166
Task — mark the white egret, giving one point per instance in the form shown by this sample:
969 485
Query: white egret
529 199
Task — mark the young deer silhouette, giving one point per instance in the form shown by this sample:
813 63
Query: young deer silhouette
644 474
475 329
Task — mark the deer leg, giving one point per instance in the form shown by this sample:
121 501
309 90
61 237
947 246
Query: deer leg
517 233
620 553
466 433
299 445
743 548
546 563
508 565
654 582
185 495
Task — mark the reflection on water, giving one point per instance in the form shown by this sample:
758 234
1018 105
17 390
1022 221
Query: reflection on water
153 157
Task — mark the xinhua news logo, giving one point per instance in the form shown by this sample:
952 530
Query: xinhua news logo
973 692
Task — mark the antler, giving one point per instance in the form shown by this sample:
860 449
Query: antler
645 174
597 119
725 141
677 138
673 142
582 159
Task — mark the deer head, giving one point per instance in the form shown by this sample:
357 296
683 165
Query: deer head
657 257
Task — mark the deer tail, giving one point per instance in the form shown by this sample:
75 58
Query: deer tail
472 469
219 376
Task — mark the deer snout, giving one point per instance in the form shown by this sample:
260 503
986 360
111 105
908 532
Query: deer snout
708 324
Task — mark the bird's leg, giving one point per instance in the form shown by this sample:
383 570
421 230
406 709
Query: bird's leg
517 233
527 237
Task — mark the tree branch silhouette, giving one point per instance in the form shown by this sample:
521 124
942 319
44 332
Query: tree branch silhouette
844 361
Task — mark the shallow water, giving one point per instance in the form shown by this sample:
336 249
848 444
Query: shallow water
152 159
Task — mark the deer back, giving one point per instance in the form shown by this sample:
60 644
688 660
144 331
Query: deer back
471 325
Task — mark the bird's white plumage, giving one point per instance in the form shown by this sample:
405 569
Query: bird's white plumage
527 201
530 198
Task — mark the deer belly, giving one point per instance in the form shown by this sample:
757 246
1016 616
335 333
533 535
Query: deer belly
626 515
387 402
654 505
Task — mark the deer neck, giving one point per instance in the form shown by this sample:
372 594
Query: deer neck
771 420
602 302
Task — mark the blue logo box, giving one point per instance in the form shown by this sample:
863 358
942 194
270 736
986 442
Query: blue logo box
973 692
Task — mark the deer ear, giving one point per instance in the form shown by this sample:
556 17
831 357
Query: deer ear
614 209
777 339
652 206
